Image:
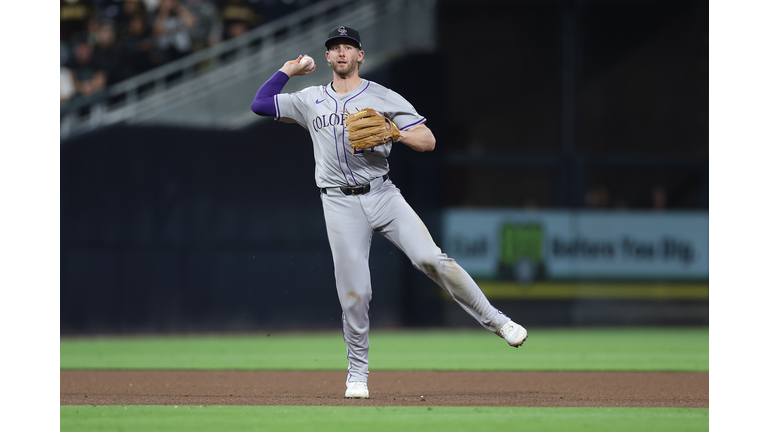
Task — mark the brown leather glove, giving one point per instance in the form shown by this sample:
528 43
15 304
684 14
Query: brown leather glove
367 128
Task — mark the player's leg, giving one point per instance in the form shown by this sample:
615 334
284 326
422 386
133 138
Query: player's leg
403 227
349 235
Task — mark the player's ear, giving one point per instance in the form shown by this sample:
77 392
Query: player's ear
360 55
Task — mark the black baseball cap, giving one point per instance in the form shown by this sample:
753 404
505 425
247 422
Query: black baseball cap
346 33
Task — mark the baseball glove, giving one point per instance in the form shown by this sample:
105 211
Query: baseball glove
367 128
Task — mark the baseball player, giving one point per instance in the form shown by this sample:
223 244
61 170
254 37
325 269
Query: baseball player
358 196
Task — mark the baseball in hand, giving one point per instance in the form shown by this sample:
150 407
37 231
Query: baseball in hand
308 61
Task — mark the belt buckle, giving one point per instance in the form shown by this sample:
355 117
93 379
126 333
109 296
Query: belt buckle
355 190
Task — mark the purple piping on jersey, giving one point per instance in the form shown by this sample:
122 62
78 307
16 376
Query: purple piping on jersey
336 138
344 109
277 109
414 124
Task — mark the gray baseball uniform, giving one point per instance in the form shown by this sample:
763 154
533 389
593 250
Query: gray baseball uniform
352 219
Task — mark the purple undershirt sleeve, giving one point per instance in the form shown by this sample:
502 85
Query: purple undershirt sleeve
264 102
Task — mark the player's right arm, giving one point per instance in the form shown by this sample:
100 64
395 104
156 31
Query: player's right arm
264 102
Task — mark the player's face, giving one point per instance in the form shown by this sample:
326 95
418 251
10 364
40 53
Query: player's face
343 58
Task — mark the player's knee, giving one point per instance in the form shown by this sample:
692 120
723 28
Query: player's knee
428 264
353 300
437 266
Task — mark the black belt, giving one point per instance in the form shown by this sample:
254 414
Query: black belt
355 190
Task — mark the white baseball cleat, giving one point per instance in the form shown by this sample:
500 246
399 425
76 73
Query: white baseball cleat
513 333
357 390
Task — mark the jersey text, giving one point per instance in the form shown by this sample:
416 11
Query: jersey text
332 119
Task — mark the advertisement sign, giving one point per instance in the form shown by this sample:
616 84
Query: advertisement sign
527 246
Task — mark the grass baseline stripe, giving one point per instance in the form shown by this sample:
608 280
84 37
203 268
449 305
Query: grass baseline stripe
628 349
371 419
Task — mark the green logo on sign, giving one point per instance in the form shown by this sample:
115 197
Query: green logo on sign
522 252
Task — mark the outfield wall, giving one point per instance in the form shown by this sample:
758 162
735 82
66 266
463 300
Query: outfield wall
177 230
174 230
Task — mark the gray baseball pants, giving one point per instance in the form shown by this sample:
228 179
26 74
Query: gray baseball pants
351 221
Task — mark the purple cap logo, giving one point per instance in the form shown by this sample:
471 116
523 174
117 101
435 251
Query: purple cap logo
343 32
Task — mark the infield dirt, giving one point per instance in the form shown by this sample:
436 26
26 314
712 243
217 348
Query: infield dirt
388 388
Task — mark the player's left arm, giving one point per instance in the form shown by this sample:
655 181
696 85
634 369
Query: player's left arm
419 138
413 132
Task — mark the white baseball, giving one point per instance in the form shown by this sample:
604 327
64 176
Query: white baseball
309 61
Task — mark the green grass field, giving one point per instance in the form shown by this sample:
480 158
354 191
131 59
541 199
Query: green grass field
653 349
384 419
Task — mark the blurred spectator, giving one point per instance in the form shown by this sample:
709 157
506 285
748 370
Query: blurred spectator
67 87
597 197
151 5
207 32
89 79
130 9
92 31
75 15
137 47
129 37
172 27
238 17
109 10
530 204
659 198
106 53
